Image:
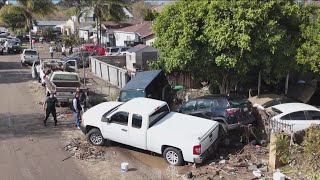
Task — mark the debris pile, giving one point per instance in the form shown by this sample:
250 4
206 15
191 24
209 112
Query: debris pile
251 161
82 150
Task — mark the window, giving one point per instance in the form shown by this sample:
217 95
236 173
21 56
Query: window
31 53
222 103
128 95
298 115
65 77
71 63
286 117
158 114
136 121
189 106
120 118
314 115
203 104
115 50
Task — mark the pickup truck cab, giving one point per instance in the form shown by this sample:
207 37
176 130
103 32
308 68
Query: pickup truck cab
148 124
64 84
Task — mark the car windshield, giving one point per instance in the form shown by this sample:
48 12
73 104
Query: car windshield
127 95
31 53
115 50
65 77
124 49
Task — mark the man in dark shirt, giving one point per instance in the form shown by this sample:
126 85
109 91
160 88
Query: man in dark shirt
50 107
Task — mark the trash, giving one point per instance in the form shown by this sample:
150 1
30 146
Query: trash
188 175
264 169
278 175
222 161
256 173
252 168
124 167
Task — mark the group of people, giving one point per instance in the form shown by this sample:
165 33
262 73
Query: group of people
63 50
78 106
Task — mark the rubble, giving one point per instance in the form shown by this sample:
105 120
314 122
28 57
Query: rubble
82 150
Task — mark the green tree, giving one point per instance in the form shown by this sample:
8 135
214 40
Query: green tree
309 53
150 15
13 20
48 33
30 8
220 41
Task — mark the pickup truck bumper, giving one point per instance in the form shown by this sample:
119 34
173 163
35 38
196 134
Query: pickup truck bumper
208 152
64 99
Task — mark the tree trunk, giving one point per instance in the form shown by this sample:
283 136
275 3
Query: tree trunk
226 84
97 29
29 24
259 82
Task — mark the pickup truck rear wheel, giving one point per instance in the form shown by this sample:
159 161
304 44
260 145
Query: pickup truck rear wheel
173 156
95 137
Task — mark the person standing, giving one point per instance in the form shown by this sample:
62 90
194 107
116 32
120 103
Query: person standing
6 44
70 50
51 51
82 99
50 107
63 50
76 107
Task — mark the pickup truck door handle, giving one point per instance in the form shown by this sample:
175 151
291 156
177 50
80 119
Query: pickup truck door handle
124 130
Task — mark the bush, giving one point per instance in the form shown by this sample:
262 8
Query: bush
311 147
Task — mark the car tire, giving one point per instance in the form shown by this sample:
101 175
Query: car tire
173 156
224 127
95 137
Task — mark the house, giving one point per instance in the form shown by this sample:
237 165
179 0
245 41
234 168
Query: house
135 34
40 25
137 57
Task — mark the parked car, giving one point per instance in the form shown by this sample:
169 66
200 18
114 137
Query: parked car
151 84
23 38
77 56
28 56
14 46
268 100
1 47
89 47
299 115
115 51
148 124
100 49
34 71
230 111
64 84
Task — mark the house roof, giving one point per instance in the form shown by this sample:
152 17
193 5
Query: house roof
50 23
86 28
139 47
143 29
142 80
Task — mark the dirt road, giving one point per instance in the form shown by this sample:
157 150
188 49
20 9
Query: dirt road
28 150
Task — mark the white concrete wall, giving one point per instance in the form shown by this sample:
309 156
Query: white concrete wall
130 59
122 36
150 41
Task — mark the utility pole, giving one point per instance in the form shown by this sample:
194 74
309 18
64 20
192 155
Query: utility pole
83 66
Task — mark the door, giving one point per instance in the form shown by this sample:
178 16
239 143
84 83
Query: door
117 127
313 117
137 132
71 66
297 119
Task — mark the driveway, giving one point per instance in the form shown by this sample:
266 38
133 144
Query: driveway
28 150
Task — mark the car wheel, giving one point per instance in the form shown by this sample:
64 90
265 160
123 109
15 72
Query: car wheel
95 137
173 156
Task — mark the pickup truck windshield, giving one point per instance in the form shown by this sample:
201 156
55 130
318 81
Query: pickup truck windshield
30 53
157 115
65 77
128 95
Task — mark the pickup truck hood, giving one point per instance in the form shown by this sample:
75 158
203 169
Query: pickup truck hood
94 114
177 125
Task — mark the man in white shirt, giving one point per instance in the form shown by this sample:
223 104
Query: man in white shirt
63 50
6 44
38 72
51 51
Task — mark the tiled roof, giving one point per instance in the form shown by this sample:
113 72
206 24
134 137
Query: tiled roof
143 29
139 47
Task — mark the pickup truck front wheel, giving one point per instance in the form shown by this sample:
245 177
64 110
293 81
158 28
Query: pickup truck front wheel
173 156
95 137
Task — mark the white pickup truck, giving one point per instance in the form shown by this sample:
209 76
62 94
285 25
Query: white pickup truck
148 124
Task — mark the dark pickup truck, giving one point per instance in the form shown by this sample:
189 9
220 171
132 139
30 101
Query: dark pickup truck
65 85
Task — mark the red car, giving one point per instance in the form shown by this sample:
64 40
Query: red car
95 48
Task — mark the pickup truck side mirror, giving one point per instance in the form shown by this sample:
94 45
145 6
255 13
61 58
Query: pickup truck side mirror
105 119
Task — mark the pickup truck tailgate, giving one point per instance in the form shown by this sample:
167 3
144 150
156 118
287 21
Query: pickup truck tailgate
209 138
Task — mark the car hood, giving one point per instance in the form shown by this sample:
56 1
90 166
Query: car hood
96 112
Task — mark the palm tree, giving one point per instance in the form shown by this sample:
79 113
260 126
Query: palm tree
103 10
30 8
